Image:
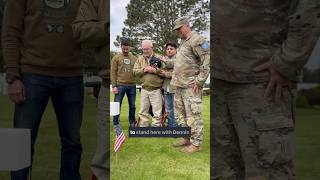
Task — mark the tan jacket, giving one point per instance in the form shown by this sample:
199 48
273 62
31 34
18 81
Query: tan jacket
150 81
121 70
91 28
37 38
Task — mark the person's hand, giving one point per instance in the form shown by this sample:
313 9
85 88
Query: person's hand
162 73
149 69
164 58
276 80
16 92
195 88
152 69
114 90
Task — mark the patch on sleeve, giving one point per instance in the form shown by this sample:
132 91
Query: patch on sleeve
205 45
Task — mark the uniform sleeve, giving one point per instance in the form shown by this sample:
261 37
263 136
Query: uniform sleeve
169 64
88 28
201 49
137 68
168 74
13 23
114 70
303 33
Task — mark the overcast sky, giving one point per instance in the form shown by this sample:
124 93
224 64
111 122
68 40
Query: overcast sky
118 14
314 61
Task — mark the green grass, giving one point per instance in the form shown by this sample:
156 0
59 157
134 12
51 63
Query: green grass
307 159
155 158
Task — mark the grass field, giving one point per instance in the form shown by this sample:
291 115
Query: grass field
153 158
307 160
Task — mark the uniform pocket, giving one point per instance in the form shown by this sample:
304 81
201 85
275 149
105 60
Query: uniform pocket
269 115
196 105
275 147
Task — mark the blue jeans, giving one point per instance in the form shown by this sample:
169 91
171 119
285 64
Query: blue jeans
66 94
131 95
169 109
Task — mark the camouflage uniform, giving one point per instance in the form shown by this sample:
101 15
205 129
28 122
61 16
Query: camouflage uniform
252 137
191 66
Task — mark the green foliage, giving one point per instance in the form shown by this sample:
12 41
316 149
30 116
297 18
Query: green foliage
311 76
112 54
302 101
134 42
312 95
153 19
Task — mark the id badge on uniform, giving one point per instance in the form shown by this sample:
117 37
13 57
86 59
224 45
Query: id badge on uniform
126 61
126 65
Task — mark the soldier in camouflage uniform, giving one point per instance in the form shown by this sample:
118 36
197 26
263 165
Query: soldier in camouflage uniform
258 56
191 69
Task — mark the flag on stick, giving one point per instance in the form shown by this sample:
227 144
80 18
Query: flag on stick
120 138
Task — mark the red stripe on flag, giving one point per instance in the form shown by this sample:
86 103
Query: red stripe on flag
119 141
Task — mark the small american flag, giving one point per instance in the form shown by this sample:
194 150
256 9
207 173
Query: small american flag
119 141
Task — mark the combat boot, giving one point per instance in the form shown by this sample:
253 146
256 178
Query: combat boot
190 149
181 142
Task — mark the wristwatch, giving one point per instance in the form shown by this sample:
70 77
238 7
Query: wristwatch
10 78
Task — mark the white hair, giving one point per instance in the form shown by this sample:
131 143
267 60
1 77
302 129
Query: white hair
147 42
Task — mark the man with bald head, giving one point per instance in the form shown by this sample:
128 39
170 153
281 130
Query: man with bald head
147 69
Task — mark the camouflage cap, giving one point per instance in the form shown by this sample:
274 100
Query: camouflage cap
180 22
